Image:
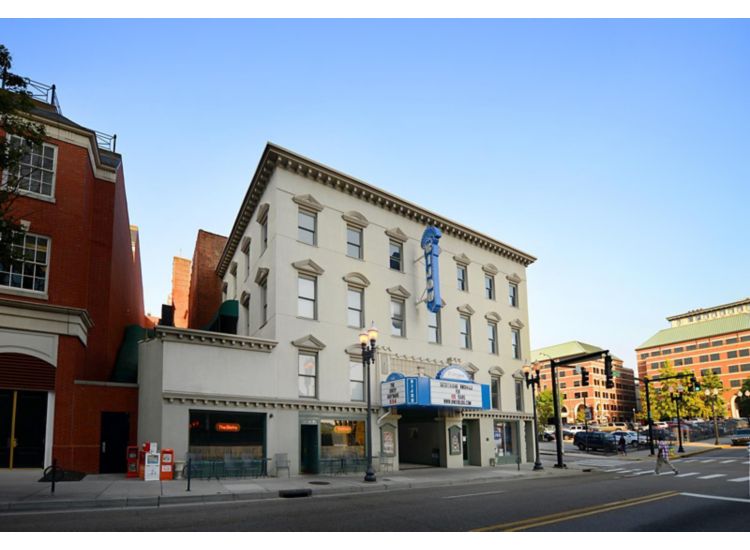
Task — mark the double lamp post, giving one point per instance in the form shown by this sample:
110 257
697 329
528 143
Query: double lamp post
368 358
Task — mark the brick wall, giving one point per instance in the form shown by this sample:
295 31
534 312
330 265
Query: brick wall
205 284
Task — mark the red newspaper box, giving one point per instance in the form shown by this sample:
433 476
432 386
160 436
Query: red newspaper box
132 461
167 464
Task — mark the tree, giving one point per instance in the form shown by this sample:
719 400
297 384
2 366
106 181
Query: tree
743 403
15 103
662 405
544 408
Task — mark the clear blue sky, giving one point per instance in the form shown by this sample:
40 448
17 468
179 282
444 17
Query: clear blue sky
615 151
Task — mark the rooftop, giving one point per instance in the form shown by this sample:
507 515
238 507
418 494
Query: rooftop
694 312
559 351
693 331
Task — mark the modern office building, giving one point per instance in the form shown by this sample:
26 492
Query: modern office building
315 257
710 340
617 404
67 379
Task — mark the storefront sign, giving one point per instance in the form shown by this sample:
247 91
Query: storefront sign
455 394
429 243
393 393
227 427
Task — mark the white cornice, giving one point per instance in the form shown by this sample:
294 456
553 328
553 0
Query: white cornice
65 321
244 401
219 339
275 157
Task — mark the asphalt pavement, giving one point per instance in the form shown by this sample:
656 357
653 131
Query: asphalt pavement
20 490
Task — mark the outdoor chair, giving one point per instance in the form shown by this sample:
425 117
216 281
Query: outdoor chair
281 462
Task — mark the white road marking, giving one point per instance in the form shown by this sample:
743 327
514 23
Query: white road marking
689 460
713 476
739 480
707 461
640 473
688 474
745 500
615 470
728 461
476 494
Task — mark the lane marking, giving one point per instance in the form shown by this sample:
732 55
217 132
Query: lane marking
476 494
688 474
728 461
644 472
615 470
738 480
707 461
531 523
713 476
712 497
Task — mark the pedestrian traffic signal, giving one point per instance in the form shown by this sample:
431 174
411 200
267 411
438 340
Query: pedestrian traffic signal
694 384
609 384
584 377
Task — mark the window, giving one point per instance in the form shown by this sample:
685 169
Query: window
36 169
464 324
732 354
264 233
307 374
678 362
716 370
515 338
519 395
744 352
354 242
513 294
306 297
745 338
666 351
263 303
714 357
461 274
495 392
735 383
734 368
492 337
731 341
398 327
356 381
655 353
306 222
717 343
678 350
688 360
691 347
433 327
29 273
703 358
489 287
703 345
355 307
395 253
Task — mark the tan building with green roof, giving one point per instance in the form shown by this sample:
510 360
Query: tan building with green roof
607 405
715 339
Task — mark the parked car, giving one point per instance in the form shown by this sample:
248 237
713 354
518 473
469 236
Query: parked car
595 441
742 437
571 431
631 438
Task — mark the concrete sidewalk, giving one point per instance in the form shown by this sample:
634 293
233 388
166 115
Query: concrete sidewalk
20 490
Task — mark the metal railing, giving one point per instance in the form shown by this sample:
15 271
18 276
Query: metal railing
105 141
43 92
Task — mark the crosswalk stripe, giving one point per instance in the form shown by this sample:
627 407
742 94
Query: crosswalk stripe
713 476
707 461
739 479
728 461
690 460
689 474
615 470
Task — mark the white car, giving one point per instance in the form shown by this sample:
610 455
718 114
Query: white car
631 438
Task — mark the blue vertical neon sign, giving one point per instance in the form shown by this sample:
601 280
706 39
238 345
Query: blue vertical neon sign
429 243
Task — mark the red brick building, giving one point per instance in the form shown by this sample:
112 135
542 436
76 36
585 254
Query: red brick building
617 404
71 312
714 339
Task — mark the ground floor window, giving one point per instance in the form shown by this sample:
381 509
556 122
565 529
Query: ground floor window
219 434
342 439
505 451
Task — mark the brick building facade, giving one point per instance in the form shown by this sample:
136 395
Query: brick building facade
65 309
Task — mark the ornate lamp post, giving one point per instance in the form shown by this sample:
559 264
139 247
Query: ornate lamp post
368 358
534 381
740 395
713 396
676 395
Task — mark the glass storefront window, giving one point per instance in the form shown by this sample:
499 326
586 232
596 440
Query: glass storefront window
342 439
218 434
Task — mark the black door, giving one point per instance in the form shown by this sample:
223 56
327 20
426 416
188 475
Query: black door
31 425
6 416
114 442
309 449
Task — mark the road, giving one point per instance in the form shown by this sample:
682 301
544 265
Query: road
711 493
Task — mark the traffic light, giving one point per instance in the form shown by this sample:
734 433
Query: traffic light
584 377
609 384
694 384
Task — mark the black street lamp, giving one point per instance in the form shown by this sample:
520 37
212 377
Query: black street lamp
676 395
534 381
713 397
740 395
368 358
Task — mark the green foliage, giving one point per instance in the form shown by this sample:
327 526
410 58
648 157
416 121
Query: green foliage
544 407
743 403
15 102
663 407
710 382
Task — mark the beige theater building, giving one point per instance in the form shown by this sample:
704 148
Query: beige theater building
315 256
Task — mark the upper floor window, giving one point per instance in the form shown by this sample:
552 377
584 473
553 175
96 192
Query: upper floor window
433 327
356 381
489 287
263 302
306 225
398 324
396 254
355 307
492 337
462 278
519 395
36 169
464 324
264 233
513 294
515 339
30 271
354 242
307 375
306 297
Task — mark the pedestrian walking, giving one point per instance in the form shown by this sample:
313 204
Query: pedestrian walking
662 457
622 445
